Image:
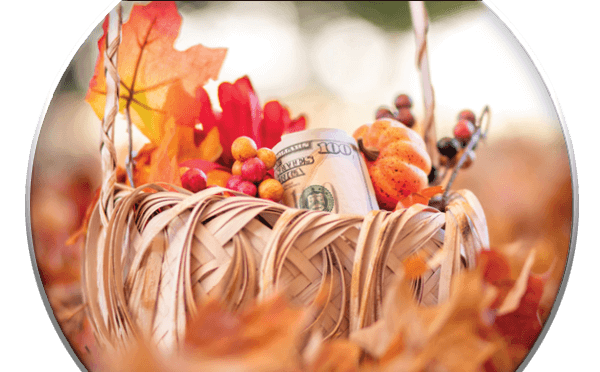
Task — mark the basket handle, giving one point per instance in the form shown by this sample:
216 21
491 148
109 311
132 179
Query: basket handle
420 20
107 146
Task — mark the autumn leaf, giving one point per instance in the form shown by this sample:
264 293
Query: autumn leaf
277 121
451 336
242 115
265 335
148 65
461 334
421 197
519 324
336 356
164 165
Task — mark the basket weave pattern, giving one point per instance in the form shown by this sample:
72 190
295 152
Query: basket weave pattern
163 253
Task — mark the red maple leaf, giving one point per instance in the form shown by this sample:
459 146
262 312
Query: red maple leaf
242 115
521 327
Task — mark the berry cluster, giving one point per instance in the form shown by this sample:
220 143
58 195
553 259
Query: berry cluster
452 149
250 170
403 114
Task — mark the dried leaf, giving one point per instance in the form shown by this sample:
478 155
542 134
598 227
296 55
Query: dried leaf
521 327
264 336
149 65
514 296
164 165
451 335
337 356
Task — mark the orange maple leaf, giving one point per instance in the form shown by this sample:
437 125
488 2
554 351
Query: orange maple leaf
148 66
421 197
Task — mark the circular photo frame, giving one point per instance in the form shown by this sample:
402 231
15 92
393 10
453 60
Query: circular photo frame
163 226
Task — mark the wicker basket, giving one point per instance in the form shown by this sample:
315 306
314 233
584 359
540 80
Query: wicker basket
153 255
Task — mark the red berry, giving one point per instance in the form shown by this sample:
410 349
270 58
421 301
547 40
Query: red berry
270 174
406 117
254 170
194 180
382 113
463 131
403 101
467 115
247 188
233 182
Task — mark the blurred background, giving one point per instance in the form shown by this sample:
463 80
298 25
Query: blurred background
337 63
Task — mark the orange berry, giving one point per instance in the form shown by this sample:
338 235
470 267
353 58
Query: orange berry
236 169
270 189
267 156
243 148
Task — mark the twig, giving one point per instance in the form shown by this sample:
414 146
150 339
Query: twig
480 133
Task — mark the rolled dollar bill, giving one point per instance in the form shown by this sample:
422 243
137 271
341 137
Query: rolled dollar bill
322 169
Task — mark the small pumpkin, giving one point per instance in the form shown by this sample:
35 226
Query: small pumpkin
396 158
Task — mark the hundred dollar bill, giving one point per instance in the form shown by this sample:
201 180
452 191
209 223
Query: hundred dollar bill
322 169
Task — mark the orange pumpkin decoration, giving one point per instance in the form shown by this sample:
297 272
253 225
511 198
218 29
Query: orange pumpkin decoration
396 158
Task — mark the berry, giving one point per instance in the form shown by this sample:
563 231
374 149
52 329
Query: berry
253 170
194 180
246 187
270 189
448 147
236 169
233 182
403 101
267 156
243 148
463 131
406 117
432 175
467 115
382 113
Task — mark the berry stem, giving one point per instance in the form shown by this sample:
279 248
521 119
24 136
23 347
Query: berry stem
480 133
